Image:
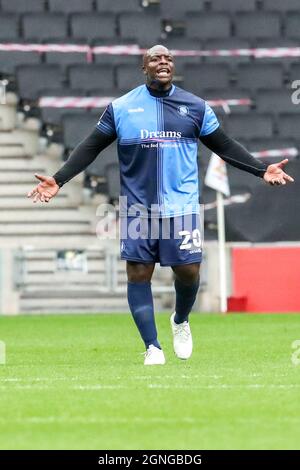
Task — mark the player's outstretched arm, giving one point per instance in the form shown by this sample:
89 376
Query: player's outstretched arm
45 190
81 157
275 175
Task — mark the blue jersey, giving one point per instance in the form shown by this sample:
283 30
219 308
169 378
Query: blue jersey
157 148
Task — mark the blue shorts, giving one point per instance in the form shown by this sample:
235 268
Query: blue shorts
168 241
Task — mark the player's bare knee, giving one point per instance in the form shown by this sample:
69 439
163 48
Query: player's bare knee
139 272
187 274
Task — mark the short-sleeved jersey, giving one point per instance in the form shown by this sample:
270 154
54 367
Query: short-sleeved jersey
157 147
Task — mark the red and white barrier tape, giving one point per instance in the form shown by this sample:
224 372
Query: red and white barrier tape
74 102
287 152
95 102
258 53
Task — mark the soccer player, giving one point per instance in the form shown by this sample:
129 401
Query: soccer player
157 126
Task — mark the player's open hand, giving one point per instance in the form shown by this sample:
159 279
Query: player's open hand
275 174
45 190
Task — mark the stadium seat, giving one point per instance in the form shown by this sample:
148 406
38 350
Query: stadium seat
76 127
112 174
9 60
282 6
90 76
233 5
295 71
249 126
92 26
176 9
9 27
109 156
291 25
240 181
118 6
142 27
289 125
65 60
33 79
70 6
23 6
199 77
208 26
231 43
258 25
275 101
260 75
44 26
129 76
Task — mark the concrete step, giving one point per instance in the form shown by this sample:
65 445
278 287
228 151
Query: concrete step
28 165
49 229
61 200
37 216
16 177
68 241
12 150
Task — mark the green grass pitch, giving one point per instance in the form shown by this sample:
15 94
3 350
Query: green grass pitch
78 382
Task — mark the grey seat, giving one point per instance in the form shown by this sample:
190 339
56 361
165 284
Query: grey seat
291 25
33 79
282 6
44 26
199 77
118 6
249 126
289 125
233 5
128 77
176 9
9 60
108 156
142 27
91 76
260 75
92 26
65 59
258 25
24 6
9 26
76 127
70 6
208 26
275 101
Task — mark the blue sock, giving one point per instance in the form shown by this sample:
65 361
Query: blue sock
140 301
185 299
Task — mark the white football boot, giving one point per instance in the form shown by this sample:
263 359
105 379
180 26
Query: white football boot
154 356
182 338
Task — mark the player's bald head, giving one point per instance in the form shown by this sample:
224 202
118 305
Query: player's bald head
158 49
